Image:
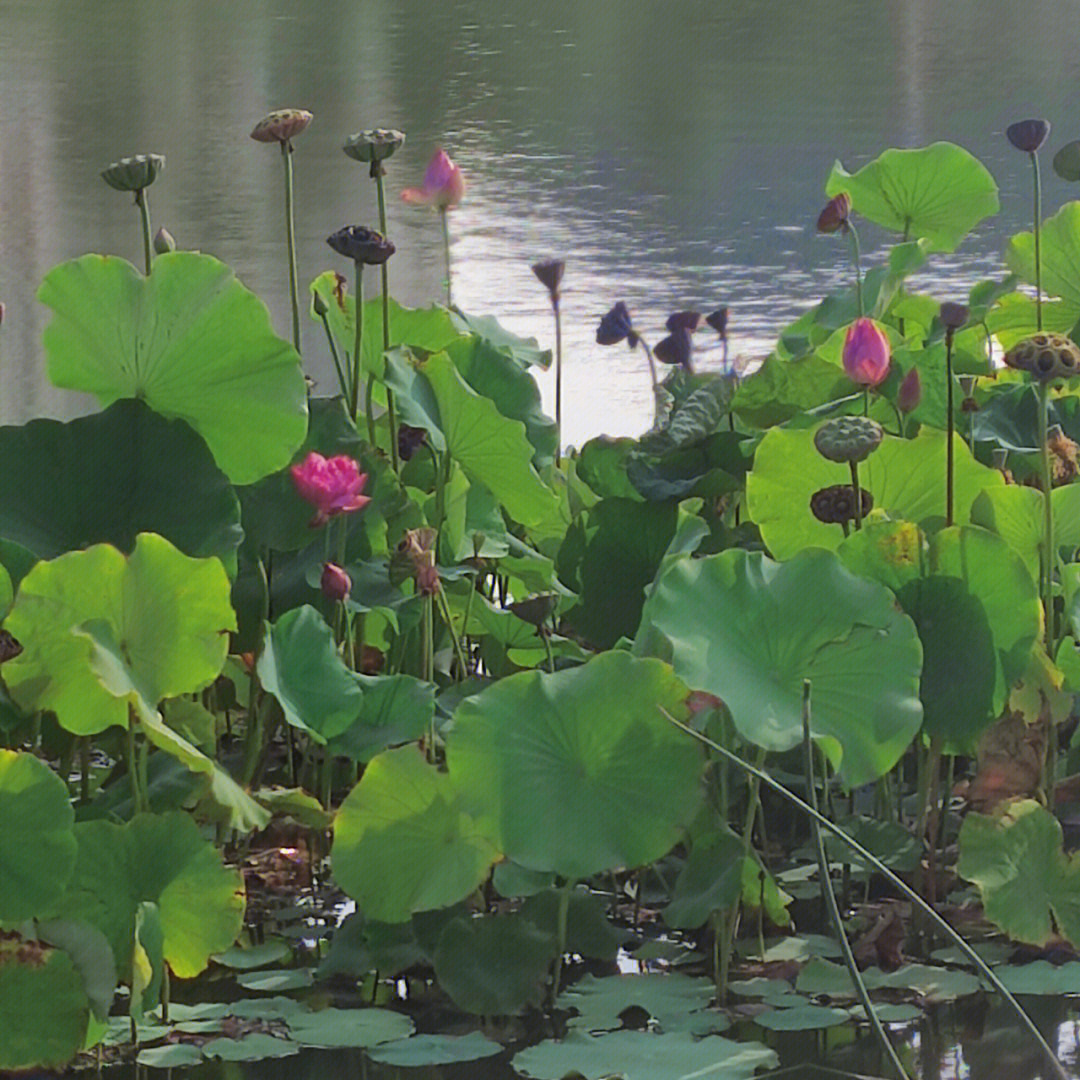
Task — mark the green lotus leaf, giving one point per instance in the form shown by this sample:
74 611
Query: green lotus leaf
750 630
976 609
491 448
37 845
671 1000
170 1056
108 477
249 957
191 342
512 880
44 1010
524 351
781 389
159 859
804 1017
1059 252
167 614
331 1028
588 931
494 965
1016 513
276 981
579 771
1029 887
257 1046
395 709
1040 977
938 192
419 1050
932 983
602 465
92 956
642 1055
711 880
1015 316
404 843
906 478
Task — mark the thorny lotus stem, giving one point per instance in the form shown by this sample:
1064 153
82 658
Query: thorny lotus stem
830 897
354 399
558 378
858 493
343 382
856 258
290 232
897 882
444 214
950 427
144 213
1037 214
384 274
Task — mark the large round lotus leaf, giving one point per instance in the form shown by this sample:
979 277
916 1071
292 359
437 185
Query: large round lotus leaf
976 609
347 1027
191 342
1029 887
642 1055
750 630
579 771
906 478
403 842
1059 252
940 192
108 477
494 965
44 1011
422 1050
37 845
160 859
167 614
673 1001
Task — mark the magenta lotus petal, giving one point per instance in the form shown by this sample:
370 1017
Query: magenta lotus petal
332 485
443 185
866 353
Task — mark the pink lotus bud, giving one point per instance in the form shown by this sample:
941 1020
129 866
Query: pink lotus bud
335 583
443 185
835 216
331 485
910 393
866 353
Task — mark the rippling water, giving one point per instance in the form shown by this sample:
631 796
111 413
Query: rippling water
673 153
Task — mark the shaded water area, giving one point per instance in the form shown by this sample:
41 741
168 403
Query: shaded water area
674 155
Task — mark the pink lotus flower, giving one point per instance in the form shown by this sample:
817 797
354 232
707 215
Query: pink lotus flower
443 184
331 485
335 583
866 353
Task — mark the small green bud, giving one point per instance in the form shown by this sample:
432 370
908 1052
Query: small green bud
163 242
319 305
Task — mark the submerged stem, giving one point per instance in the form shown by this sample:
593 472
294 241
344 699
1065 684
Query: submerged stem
290 233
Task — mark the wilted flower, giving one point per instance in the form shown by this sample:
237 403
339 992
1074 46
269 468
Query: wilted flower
335 583
1028 135
549 273
281 125
718 320
374 145
164 242
834 218
866 353
332 485
362 245
409 440
443 185
616 326
675 348
683 320
418 545
835 505
910 393
953 316
134 173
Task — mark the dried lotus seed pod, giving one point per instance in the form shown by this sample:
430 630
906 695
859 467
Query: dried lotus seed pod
835 505
848 438
1046 355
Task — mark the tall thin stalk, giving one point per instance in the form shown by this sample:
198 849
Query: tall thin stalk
143 204
384 277
857 260
1037 216
444 214
290 232
558 378
354 397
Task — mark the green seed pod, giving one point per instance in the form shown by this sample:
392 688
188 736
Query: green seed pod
848 438
375 144
1046 356
134 173
835 504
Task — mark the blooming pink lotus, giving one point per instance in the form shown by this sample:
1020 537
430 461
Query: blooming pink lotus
866 353
443 184
332 485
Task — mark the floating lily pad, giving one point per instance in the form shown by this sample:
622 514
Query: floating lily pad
258 1046
273 982
671 1000
348 1027
1041 977
248 957
171 1056
419 1050
803 1017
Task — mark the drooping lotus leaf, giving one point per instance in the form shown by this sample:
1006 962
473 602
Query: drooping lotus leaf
1059 251
522 350
92 956
904 476
490 447
940 192
403 841
750 630
108 477
44 1010
642 1055
190 341
37 845
422 1050
711 880
494 965
1029 887
976 609
160 859
579 771
166 613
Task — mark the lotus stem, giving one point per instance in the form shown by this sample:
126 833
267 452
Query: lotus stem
547 649
444 611
896 881
1037 215
560 941
343 382
858 493
830 897
354 400
384 273
1047 576
558 378
652 365
290 233
144 213
444 214
950 427
857 259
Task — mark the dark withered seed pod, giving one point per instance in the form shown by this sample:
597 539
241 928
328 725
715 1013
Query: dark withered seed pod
1046 356
1028 135
835 504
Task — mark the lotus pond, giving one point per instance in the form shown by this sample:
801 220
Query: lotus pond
381 723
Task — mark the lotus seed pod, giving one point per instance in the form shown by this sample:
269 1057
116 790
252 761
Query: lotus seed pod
163 242
954 315
536 610
718 320
375 144
1028 135
1046 355
549 273
848 438
683 320
133 173
835 504
1067 161
362 245
281 125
